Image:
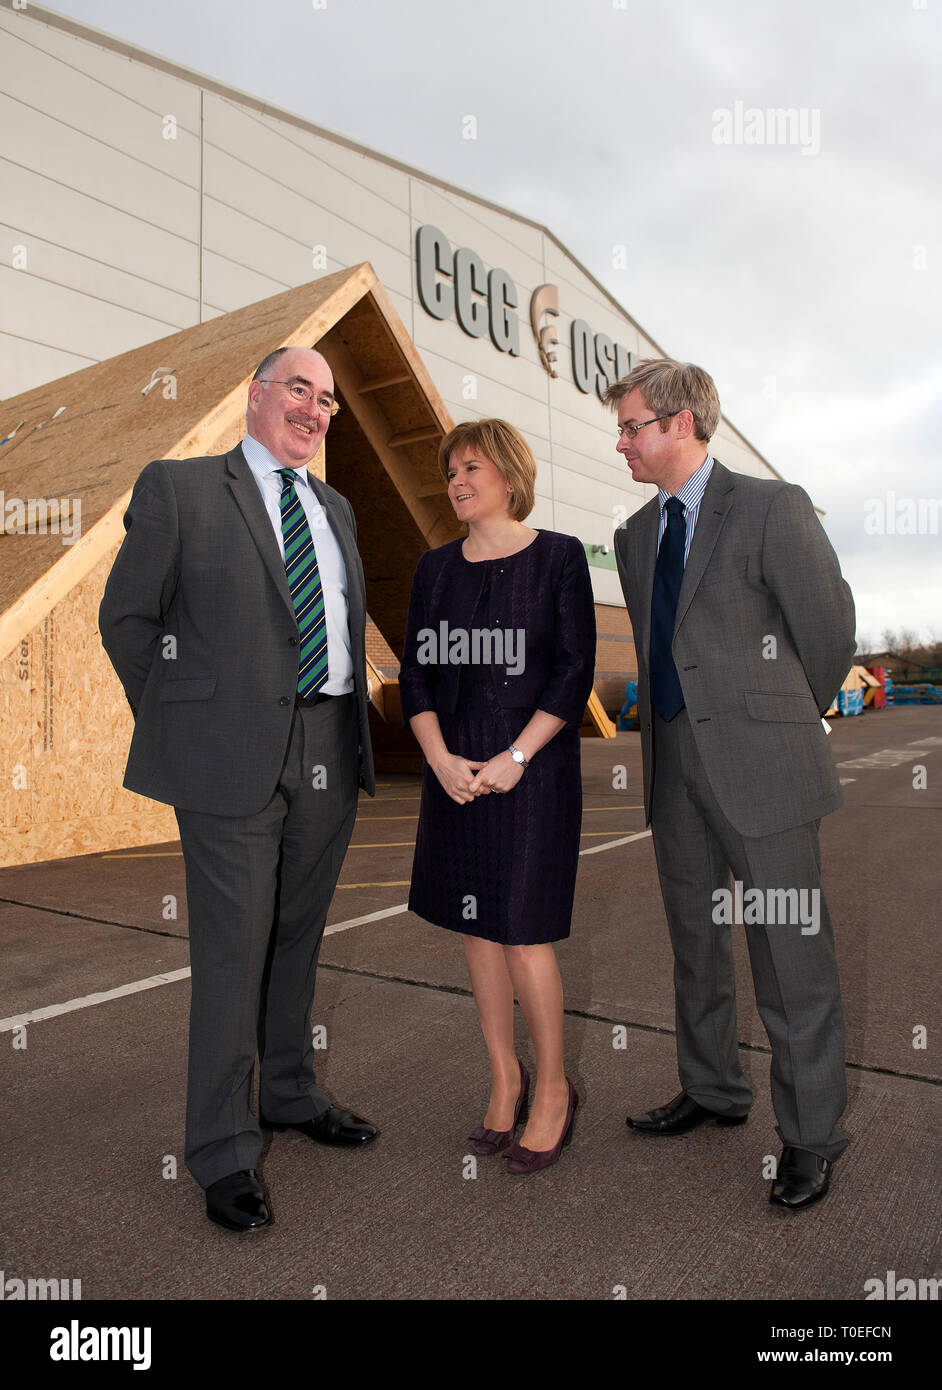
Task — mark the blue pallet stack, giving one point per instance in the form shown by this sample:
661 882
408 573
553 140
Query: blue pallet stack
850 702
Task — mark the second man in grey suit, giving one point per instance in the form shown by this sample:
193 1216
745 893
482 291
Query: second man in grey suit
744 631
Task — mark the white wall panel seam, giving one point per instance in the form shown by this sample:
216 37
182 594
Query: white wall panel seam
53 347
342 173
115 149
316 207
112 303
83 255
94 198
118 91
460 200
465 369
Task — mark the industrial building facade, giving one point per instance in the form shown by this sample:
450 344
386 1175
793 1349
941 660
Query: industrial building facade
141 199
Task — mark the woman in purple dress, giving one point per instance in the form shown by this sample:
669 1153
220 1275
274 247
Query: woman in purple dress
496 672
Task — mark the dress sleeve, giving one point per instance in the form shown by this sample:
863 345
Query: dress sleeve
570 684
416 690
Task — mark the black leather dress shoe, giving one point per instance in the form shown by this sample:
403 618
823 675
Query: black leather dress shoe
679 1115
803 1178
238 1202
335 1126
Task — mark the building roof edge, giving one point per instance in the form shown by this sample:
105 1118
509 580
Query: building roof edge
211 84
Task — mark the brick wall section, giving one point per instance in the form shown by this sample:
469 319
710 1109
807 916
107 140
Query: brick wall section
615 662
379 651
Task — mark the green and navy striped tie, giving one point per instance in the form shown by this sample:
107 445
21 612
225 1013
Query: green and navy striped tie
307 594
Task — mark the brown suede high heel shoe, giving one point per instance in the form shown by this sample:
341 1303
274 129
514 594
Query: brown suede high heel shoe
521 1160
485 1142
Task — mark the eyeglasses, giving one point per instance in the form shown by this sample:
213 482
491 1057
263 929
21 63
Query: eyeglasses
632 430
325 403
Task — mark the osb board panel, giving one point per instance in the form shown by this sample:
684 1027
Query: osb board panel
374 330
376 345
65 735
370 344
137 826
388 539
94 450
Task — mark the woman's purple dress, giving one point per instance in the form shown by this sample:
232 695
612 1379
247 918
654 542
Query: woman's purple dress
503 867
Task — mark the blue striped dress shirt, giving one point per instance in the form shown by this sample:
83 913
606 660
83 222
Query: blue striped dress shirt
691 495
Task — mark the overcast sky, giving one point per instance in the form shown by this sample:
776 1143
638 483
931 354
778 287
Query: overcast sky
804 275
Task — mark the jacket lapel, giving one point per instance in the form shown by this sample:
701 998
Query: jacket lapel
642 556
714 509
245 491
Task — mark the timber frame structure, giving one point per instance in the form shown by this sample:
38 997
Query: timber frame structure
74 448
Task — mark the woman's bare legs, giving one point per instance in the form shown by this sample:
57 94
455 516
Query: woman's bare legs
537 984
532 973
494 997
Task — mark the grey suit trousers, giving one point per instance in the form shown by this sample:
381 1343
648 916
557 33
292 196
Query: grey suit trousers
794 970
258 890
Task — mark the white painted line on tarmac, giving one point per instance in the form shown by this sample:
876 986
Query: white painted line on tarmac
54 1010
370 917
893 757
172 976
613 844
152 981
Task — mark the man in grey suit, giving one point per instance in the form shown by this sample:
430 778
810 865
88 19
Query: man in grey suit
235 616
744 631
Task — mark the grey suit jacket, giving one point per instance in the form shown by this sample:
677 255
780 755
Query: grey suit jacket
198 622
760 567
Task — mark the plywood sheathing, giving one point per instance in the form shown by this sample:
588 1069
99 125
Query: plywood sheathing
65 732
66 725
95 449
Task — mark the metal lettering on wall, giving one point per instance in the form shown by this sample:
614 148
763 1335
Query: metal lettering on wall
484 301
481 301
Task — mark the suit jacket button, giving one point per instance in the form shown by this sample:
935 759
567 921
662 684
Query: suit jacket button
292 641
284 700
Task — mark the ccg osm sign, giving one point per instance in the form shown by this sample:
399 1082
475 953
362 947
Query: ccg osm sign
485 301
458 283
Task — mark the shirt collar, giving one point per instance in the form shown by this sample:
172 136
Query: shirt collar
263 463
691 494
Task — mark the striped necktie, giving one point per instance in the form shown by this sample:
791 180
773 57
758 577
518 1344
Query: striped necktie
307 594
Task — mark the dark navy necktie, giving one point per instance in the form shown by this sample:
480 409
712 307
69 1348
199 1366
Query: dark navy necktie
667 697
307 593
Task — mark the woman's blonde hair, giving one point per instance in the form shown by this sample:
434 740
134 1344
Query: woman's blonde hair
506 448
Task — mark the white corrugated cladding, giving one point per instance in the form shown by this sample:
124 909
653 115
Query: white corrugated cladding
139 198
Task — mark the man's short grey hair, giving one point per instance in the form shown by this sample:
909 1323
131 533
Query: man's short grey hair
668 387
267 363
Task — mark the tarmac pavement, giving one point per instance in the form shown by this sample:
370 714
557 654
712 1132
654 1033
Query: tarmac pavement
94 1096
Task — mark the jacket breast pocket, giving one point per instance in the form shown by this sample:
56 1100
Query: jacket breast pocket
781 708
730 575
197 688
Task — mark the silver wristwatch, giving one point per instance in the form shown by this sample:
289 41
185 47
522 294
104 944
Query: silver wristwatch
518 757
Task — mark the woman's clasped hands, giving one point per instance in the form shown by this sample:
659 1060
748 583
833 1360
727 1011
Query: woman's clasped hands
464 779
